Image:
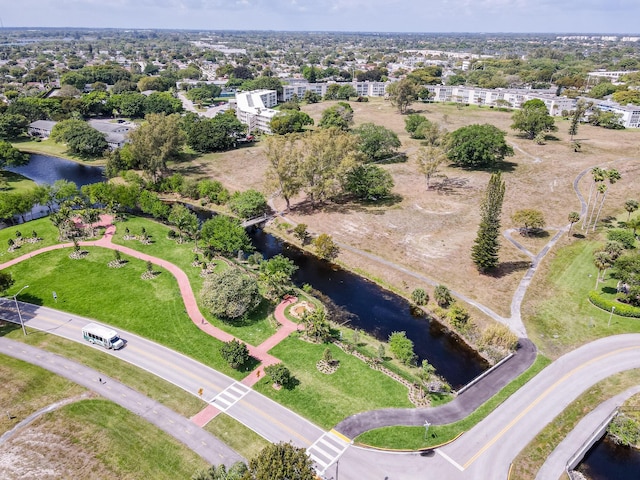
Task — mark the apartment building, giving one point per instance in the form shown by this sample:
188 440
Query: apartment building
300 87
254 109
629 114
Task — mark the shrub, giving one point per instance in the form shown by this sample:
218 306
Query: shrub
280 375
402 348
235 353
625 237
499 335
419 296
250 203
458 316
622 309
442 296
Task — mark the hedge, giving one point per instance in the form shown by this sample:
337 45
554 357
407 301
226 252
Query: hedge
622 309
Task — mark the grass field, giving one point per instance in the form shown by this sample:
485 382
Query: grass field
256 328
431 232
49 147
27 388
87 439
413 438
97 439
559 316
532 457
43 227
119 297
15 182
327 399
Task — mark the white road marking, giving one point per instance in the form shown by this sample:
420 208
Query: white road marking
450 460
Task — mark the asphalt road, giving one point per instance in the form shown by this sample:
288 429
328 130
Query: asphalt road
270 419
203 443
484 452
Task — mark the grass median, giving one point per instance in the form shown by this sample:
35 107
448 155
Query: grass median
327 399
414 438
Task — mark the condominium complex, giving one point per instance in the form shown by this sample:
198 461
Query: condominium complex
512 98
299 87
254 109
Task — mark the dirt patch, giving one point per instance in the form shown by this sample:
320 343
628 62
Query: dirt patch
39 454
431 232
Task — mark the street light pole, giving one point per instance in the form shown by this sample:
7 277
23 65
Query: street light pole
15 299
611 315
426 428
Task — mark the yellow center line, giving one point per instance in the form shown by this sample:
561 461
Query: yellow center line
274 421
538 400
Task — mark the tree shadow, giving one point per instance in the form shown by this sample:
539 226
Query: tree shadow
250 365
507 268
609 290
451 186
395 158
291 384
7 327
534 233
578 235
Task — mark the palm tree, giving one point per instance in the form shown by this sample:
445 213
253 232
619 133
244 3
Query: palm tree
634 224
573 218
630 206
613 175
598 177
602 261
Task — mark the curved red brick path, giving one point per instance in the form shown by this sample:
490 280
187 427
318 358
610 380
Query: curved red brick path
259 352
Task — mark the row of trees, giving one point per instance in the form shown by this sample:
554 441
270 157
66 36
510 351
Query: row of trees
323 164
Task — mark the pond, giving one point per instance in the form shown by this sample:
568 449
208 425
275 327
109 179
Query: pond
46 169
608 461
368 306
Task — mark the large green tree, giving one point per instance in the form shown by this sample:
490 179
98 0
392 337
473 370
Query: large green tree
275 275
477 146
533 118
403 93
369 182
12 126
282 461
230 294
282 171
247 204
155 142
289 121
338 116
225 235
377 142
486 245
10 156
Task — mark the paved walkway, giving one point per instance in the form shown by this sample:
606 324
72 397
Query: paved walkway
203 443
260 352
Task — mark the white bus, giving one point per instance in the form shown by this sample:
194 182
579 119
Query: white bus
102 336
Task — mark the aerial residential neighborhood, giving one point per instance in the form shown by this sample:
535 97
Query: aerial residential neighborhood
321 251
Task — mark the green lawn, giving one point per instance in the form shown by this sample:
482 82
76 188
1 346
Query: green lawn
119 297
43 227
140 380
49 147
413 438
15 182
328 399
27 388
557 312
123 444
242 439
255 329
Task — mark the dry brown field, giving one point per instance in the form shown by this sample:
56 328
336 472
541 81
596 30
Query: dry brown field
431 232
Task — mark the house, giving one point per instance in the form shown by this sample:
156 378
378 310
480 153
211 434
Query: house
114 133
41 128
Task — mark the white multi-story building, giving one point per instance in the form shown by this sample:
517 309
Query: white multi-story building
300 87
254 109
613 76
629 114
512 98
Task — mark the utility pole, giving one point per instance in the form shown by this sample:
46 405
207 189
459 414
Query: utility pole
15 299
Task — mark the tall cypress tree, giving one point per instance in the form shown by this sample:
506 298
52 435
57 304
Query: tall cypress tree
486 245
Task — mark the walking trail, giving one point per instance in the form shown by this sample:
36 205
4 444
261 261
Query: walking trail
260 352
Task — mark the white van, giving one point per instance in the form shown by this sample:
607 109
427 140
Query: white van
104 336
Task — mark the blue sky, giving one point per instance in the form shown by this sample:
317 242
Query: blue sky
597 16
